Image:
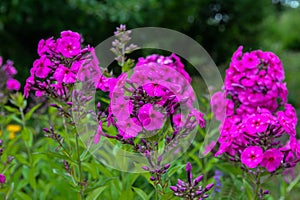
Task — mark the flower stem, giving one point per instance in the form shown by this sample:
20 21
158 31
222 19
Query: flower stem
257 187
80 176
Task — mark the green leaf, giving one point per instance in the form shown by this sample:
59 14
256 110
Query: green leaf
22 160
65 175
61 156
293 183
126 194
25 134
96 193
230 169
29 114
91 169
127 65
104 170
169 196
12 110
141 193
174 169
31 176
23 196
248 189
102 183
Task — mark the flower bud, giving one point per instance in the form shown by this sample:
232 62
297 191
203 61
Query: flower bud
266 192
198 179
174 188
167 166
209 186
2 179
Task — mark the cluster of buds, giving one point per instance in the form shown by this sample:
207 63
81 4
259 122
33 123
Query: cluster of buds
191 189
7 83
156 174
120 49
50 133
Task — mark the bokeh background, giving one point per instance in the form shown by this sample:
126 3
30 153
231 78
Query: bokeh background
220 26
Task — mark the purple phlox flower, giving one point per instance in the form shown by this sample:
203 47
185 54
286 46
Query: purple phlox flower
69 44
128 128
256 123
150 119
65 75
252 156
41 67
121 108
250 60
13 84
9 68
272 159
46 45
286 123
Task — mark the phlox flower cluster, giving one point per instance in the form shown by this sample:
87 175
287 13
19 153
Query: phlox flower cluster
62 62
156 89
7 73
258 117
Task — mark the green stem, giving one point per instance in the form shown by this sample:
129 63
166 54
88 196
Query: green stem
123 55
257 187
80 176
24 125
156 190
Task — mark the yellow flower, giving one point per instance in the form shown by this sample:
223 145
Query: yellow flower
13 128
0 133
12 135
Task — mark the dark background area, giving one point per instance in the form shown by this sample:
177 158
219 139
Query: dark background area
220 26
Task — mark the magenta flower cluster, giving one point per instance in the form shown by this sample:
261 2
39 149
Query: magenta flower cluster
61 63
258 116
158 88
8 71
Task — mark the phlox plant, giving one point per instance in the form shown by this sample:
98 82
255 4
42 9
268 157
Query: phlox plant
146 102
259 130
74 113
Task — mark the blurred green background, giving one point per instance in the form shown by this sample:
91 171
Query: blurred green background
220 26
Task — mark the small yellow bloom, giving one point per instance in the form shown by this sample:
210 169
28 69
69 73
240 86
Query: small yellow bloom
12 135
0 133
13 128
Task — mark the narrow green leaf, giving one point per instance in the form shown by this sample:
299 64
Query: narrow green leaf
141 193
23 196
12 110
29 114
22 160
293 183
96 193
31 176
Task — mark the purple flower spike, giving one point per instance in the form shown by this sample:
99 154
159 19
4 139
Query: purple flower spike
189 172
191 188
